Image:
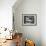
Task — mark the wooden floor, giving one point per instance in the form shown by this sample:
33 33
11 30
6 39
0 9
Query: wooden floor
9 43
16 38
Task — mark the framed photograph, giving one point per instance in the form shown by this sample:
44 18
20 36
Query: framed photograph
29 19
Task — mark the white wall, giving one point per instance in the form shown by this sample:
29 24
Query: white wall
29 7
6 13
43 22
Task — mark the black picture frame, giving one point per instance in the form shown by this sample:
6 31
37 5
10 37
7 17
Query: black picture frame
29 19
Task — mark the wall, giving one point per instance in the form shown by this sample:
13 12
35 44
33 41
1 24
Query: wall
28 7
6 13
43 22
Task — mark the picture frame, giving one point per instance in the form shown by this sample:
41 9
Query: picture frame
29 19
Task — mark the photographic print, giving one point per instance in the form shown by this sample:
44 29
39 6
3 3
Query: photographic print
29 19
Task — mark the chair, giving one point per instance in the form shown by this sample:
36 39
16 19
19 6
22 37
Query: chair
18 39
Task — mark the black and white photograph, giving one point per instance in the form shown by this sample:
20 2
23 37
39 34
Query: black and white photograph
29 19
